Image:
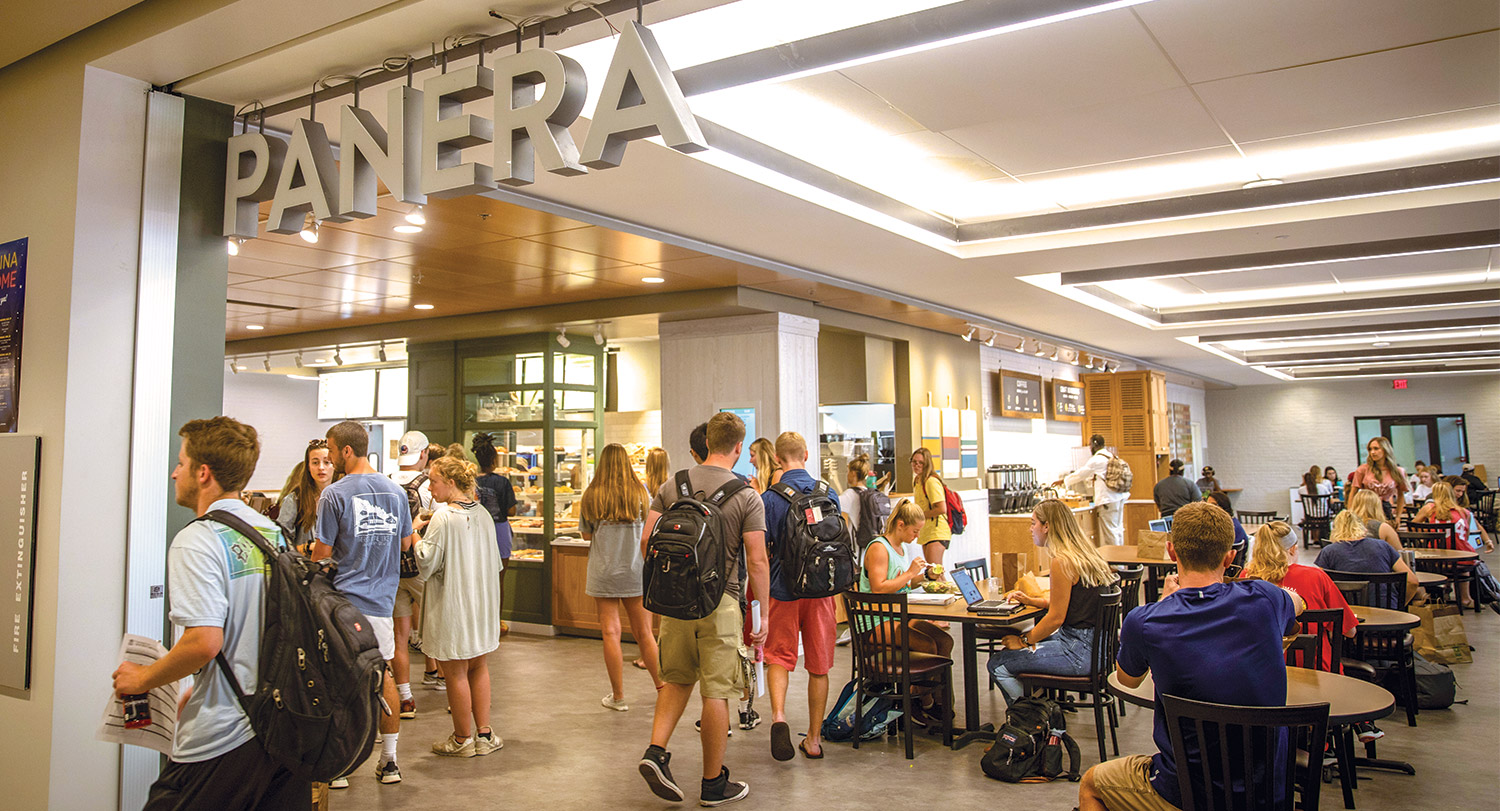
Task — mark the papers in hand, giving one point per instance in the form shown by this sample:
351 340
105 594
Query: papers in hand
142 651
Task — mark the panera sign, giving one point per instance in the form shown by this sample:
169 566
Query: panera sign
418 152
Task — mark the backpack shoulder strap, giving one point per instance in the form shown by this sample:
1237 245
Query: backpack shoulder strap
726 491
821 488
784 490
684 486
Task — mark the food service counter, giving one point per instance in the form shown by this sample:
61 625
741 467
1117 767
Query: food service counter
574 613
1011 549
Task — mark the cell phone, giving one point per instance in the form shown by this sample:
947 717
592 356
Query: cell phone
137 709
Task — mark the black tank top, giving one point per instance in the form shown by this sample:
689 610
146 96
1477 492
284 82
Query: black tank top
1083 606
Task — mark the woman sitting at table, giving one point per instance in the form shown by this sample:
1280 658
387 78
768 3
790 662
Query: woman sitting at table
1353 550
1366 507
887 570
1273 558
1444 509
1313 483
1061 641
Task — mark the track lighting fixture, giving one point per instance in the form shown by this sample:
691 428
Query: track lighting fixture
969 336
234 246
1055 351
562 338
599 334
234 365
266 363
382 353
1039 350
990 341
338 359
1021 346
309 231
298 359
416 217
1076 357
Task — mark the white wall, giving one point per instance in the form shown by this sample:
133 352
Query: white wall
638 375
1265 437
1196 400
285 414
1044 444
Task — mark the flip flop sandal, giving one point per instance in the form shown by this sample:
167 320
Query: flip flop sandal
640 664
802 745
781 741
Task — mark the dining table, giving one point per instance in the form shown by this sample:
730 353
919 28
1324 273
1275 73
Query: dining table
1383 619
1350 701
1444 554
969 622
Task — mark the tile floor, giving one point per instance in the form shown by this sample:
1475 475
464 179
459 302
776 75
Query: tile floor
564 751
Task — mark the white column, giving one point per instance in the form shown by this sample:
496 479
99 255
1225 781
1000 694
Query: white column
766 361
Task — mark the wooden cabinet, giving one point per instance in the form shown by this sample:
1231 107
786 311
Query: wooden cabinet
1129 409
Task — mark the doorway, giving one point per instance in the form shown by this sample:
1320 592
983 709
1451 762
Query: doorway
1435 439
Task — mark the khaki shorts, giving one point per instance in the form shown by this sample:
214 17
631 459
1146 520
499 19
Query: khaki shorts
1124 784
706 651
407 594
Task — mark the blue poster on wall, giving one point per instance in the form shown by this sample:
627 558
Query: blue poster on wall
744 466
12 307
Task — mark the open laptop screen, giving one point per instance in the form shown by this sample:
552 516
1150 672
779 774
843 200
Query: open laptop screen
1159 525
966 586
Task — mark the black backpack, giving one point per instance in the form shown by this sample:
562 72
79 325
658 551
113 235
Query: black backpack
874 510
815 549
316 702
1029 747
684 572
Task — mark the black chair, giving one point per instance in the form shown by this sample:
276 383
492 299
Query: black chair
1385 651
1484 509
1317 519
1322 626
1252 519
1237 747
885 664
1101 664
1408 513
1130 587
1353 591
1456 571
1301 650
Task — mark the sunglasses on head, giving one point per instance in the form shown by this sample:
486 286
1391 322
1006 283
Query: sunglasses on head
317 443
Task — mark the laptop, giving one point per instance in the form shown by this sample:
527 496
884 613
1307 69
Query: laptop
976 601
1160 525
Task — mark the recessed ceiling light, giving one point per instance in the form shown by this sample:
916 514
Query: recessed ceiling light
408 229
1381 343
320 360
653 280
254 326
1263 182
421 306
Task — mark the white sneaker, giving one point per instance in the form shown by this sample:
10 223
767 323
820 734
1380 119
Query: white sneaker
451 747
610 702
339 782
485 744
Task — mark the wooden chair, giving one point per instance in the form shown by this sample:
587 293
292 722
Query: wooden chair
1244 746
1385 651
1317 519
885 664
1484 509
1251 519
1101 663
1456 571
1353 590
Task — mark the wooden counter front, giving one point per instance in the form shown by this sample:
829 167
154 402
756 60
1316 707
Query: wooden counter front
573 610
1011 549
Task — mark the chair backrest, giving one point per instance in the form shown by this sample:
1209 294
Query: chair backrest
1353 591
978 568
1385 589
1421 538
1220 746
1324 625
1316 507
1301 650
1255 518
1447 534
1106 635
880 637
1130 587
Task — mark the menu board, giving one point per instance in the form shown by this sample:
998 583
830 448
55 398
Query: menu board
1020 395
1067 401
346 395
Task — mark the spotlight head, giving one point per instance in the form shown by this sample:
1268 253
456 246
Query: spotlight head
266 363
1021 346
562 338
1039 350
298 358
416 217
234 366
309 231
382 353
990 341
1055 352
969 336
234 246
1077 356
338 359
599 334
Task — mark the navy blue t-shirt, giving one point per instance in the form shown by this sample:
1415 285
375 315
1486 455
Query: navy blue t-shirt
1221 644
776 512
1367 555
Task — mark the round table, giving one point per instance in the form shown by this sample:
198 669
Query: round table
1430 578
1350 701
1384 619
1444 554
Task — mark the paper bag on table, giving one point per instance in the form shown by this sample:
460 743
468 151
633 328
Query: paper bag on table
1030 586
1441 636
1152 544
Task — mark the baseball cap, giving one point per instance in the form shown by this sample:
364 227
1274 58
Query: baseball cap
1468 468
412 445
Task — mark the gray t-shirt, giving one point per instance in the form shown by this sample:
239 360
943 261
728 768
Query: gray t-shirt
217 579
1173 493
742 513
364 517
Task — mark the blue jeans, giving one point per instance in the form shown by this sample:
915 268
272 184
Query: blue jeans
1064 653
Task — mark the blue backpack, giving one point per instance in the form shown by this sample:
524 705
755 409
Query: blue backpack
880 712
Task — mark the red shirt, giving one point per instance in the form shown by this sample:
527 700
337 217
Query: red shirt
1316 588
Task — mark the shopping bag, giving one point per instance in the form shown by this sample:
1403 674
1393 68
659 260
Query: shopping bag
1030 586
1151 544
1441 636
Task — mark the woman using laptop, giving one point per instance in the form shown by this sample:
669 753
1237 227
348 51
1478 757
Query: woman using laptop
1060 642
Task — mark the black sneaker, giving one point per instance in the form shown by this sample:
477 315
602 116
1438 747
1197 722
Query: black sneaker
1367 732
749 719
654 767
722 790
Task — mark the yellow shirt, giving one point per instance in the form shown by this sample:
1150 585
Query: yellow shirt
936 529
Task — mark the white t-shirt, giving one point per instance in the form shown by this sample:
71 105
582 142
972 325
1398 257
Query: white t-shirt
1324 489
849 503
217 578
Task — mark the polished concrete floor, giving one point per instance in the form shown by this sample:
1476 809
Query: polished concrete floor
564 751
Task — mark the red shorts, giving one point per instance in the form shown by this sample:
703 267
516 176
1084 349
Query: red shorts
814 621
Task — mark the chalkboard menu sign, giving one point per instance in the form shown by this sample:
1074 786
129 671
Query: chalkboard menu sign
1067 401
1020 395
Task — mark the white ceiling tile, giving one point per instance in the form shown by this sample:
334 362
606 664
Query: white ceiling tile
1436 138
1215 39
1424 79
1418 265
1053 67
1265 279
1160 123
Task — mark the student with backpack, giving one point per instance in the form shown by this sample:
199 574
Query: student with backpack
217 582
866 508
1107 478
413 456
708 524
497 495
800 515
931 495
